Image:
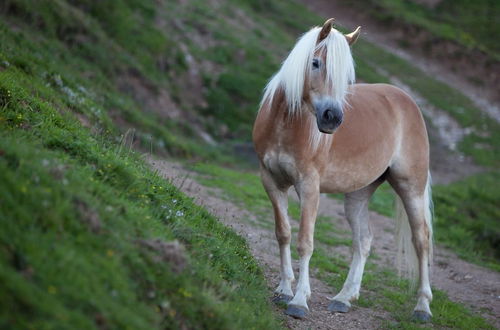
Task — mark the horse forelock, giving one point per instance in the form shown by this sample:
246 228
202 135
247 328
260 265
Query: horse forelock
294 71
339 65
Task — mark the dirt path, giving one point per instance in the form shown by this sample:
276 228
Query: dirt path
476 287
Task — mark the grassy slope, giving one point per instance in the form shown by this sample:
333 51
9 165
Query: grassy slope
471 24
382 289
81 213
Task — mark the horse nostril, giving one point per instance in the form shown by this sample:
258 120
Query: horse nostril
338 120
328 115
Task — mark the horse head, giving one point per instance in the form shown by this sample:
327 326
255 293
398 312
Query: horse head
325 87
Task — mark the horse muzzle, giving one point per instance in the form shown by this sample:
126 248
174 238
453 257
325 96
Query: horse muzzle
329 116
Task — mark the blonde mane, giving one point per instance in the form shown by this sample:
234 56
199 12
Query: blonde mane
294 70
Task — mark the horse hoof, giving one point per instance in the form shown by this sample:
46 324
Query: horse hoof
297 312
281 298
421 316
338 307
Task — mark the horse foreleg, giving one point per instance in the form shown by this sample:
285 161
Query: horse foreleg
279 200
356 209
309 200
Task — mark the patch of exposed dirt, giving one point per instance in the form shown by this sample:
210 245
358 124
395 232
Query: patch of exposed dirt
471 285
157 100
444 60
154 99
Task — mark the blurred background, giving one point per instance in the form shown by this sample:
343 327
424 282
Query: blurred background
88 86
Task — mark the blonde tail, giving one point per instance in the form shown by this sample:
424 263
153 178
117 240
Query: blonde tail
407 261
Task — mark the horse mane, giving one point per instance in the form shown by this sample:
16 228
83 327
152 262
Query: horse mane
294 70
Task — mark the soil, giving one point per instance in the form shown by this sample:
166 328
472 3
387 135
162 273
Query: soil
465 283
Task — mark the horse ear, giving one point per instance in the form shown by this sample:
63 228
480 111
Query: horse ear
353 36
325 30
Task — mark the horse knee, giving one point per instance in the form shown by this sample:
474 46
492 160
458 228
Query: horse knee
305 247
283 232
283 237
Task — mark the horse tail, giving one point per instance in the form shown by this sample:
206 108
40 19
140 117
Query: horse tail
407 261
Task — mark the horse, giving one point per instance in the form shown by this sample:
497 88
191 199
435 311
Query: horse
318 131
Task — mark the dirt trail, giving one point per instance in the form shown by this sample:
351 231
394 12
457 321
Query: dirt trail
474 286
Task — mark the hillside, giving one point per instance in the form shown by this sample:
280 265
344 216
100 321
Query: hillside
92 237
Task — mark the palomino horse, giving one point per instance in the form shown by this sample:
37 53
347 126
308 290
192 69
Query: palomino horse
319 132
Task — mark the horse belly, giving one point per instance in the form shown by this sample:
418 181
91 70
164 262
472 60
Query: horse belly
347 172
357 177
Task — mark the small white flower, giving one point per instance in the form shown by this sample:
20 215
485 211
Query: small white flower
179 213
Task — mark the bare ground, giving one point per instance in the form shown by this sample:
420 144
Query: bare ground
475 287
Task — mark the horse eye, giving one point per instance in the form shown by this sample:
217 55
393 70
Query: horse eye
315 64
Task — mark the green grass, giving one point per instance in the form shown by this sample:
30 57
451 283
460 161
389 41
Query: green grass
89 61
56 271
470 24
382 288
82 216
467 218
59 270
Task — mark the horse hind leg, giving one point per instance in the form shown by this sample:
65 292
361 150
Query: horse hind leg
356 209
418 228
279 200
